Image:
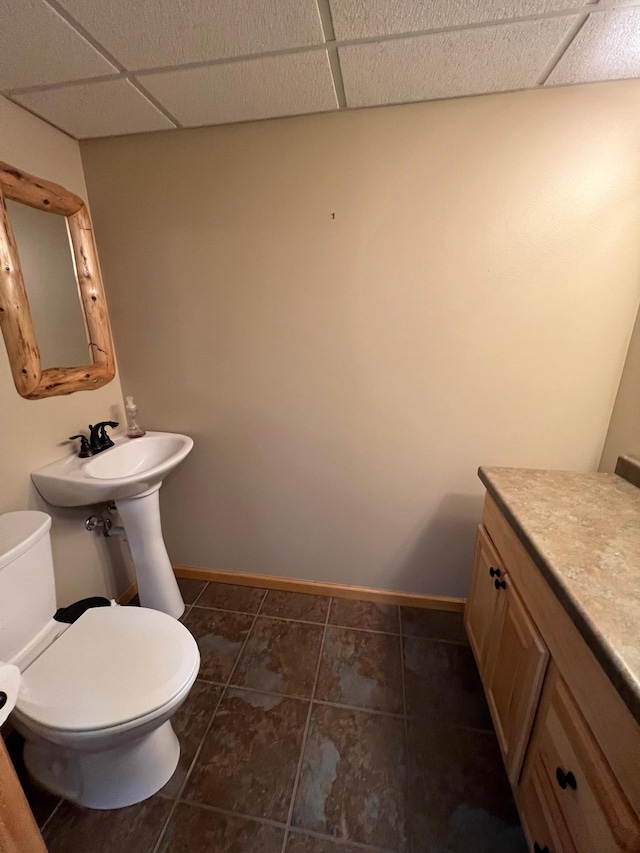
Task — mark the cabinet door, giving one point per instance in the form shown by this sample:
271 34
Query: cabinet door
481 603
514 676
543 825
567 771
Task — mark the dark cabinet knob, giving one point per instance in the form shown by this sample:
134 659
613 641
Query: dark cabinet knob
538 849
500 584
566 780
495 573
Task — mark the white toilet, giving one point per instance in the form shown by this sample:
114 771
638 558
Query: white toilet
96 696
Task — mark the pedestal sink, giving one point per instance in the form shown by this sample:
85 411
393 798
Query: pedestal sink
129 473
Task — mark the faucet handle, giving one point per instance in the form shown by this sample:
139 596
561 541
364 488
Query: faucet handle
85 447
99 440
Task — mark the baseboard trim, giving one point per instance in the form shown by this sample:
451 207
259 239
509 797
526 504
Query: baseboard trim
336 590
129 593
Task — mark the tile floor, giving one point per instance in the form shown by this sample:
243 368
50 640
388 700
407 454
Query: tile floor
317 725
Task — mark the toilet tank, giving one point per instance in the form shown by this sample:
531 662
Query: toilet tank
27 586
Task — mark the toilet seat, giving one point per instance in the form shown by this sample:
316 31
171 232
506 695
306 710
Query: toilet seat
113 667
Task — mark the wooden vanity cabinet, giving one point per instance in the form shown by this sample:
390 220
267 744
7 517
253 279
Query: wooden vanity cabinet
510 653
570 746
584 806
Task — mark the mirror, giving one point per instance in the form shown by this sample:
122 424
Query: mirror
50 281
52 305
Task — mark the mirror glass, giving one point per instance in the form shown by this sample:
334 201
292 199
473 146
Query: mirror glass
51 285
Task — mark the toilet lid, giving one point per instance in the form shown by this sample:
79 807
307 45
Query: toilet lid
113 665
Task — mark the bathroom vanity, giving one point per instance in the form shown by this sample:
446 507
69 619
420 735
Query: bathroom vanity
553 618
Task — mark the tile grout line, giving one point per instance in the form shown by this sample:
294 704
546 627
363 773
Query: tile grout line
198 596
366 848
261 605
407 790
178 798
307 726
435 640
50 818
346 842
278 824
306 621
361 708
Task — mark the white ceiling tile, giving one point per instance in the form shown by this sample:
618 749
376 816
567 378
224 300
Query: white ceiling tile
156 33
39 47
606 48
365 18
270 86
107 108
443 65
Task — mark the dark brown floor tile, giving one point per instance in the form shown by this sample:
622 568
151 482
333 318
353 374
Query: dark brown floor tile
190 589
353 783
280 657
300 842
433 624
138 827
220 637
196 830
227 596
190 724
362 669
249 759
364 614
442 684
295 605
42 803
460 799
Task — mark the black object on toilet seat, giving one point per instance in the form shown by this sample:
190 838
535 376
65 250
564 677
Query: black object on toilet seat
74 611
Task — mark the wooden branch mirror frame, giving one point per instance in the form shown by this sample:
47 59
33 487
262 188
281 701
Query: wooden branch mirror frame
16 322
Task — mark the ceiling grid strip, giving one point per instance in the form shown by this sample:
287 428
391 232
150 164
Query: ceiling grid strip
86 35
562 48
579 13
334 60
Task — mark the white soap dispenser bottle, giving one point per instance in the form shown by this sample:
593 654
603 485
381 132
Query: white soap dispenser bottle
133 430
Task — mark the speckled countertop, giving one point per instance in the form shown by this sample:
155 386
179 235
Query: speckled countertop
583 532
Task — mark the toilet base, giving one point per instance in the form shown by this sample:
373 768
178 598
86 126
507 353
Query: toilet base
106 779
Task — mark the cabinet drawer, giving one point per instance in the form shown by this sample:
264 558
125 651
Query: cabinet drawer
567 776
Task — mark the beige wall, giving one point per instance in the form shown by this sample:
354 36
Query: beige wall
623 438
33 432
471 303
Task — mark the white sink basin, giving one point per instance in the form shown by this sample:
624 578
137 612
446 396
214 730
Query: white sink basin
129 473
133 467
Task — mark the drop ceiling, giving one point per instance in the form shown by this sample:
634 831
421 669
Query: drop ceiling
109 67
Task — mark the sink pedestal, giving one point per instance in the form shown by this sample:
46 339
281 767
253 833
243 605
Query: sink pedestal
157 585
